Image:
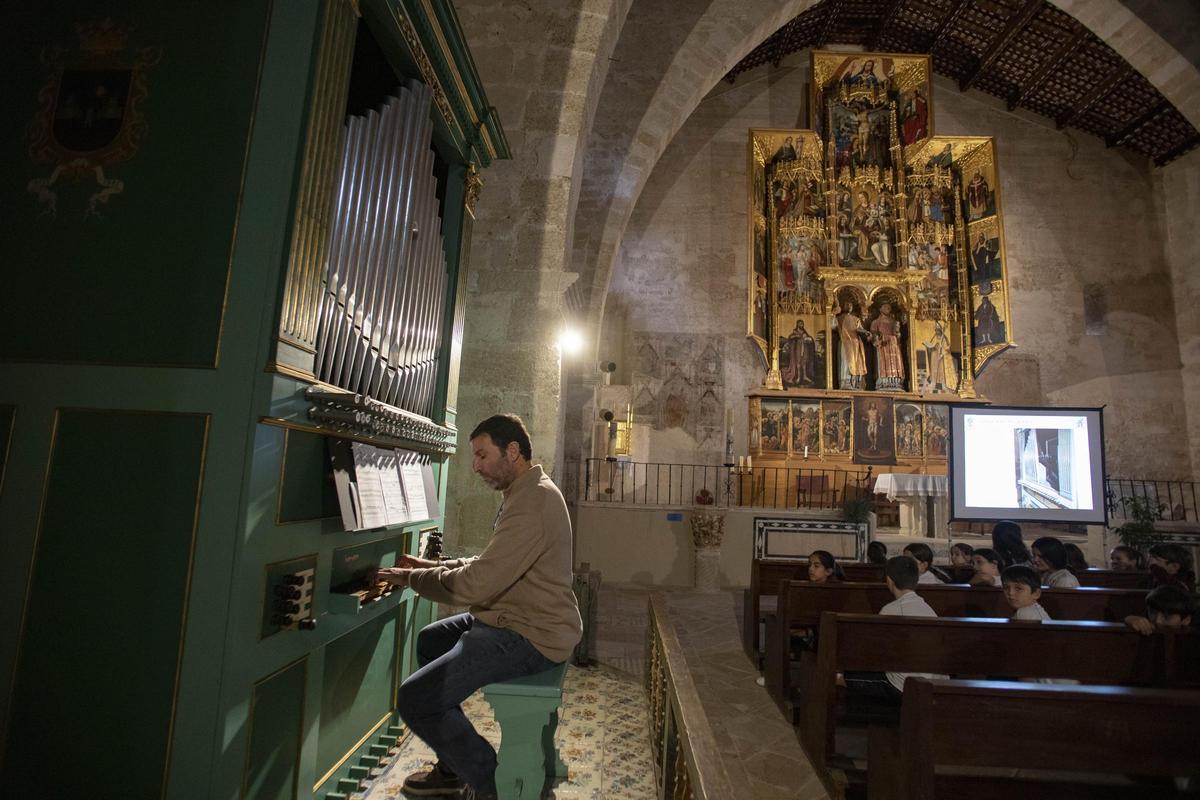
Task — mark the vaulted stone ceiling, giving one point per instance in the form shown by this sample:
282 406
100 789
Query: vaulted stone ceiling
1026 52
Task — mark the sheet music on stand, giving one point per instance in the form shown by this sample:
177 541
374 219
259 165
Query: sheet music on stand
414 488
393 490
372 509
378 487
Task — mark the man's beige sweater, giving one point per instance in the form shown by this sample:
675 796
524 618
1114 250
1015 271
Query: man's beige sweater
522 579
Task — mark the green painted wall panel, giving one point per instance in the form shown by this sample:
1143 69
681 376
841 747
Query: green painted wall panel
276 723
8 416
360 668
140 277
307 491
116 535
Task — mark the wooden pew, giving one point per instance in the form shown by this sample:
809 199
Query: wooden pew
766 574
1145 732
1092 652
861 572
1113 579
801 604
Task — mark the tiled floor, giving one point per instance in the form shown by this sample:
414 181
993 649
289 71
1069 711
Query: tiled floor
603 734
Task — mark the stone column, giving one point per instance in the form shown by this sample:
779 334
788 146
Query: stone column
541 65
1180 198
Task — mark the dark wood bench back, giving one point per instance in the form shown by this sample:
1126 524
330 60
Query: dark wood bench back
1096 652
801 602
859 572
766 574
1114 579
1094 729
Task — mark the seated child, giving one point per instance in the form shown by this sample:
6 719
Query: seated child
923 555
1050 559
901 575
1167 608
960 554
1171 564
1022 590
822 566
988 566
1076 560
877 553
1125 559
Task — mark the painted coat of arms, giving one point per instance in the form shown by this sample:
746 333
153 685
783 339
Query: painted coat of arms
88 119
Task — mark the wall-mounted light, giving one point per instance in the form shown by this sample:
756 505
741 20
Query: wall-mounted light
570 341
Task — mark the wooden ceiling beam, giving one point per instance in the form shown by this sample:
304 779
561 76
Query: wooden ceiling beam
885 21
1178 150
1015 25
1118 137
1100 90
946 24
1055 61
835 9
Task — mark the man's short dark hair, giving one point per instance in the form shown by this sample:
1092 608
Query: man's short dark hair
903 572
1019 573
504 429
1170 600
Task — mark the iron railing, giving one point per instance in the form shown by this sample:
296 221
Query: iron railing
641 483
1173 501
660 484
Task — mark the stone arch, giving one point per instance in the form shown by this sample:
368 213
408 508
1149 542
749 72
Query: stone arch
729 30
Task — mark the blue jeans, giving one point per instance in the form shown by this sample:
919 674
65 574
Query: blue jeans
459 655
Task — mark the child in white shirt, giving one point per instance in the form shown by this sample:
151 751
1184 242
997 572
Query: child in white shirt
1050 559
900 572
1022 590
923 555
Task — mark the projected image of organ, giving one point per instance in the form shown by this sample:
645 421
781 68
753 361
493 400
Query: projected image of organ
1044 468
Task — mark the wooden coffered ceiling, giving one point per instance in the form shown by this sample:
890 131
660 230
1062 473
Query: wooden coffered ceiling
1027 52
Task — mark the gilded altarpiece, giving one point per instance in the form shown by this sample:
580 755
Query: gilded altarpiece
876 263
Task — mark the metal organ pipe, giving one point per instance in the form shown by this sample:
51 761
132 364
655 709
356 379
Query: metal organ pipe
383 304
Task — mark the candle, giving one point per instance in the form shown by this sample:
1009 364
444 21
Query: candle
749 462
729 417
806 451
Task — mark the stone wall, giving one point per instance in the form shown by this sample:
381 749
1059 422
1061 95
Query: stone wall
1179 186
1077 218
542 66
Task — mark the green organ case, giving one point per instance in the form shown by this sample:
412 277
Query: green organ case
164 486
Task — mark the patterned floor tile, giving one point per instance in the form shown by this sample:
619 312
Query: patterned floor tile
602 736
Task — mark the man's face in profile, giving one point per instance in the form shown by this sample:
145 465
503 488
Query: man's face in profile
497 467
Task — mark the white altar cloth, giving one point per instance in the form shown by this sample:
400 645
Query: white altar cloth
916 494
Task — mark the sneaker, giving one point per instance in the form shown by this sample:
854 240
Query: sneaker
432 782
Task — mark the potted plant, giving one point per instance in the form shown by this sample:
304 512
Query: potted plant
1139 532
